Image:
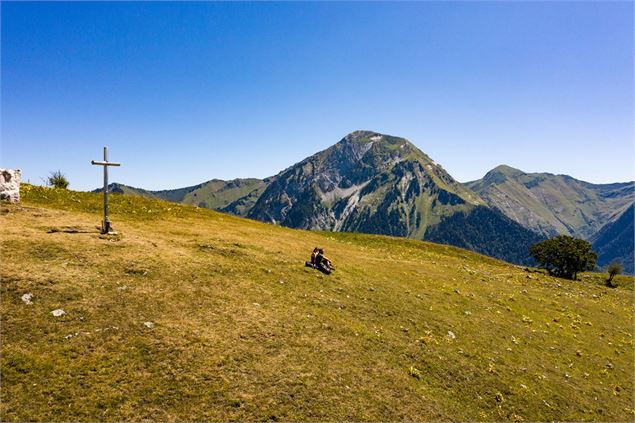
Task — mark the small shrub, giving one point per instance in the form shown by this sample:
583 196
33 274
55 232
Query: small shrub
58 180
613 269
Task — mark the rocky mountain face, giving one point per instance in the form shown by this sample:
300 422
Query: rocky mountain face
553 204
615 241
375 183
367 182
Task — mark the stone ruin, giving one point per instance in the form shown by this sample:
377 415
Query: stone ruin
10 184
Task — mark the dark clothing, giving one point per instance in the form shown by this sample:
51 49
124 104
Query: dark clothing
322 264
324 268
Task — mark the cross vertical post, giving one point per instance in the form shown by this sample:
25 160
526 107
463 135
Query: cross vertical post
106 225
106 228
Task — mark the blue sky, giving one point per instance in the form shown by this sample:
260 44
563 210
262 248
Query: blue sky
187 92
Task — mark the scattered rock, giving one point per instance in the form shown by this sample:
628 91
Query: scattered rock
57 313
149 325
451 335
27 298
414 372
609 365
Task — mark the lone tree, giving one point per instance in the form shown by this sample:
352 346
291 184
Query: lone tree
613 269
58 180
564 256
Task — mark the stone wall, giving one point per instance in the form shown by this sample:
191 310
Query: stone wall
10 184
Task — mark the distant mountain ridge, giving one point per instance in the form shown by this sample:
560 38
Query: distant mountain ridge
553 204
376 183
214 194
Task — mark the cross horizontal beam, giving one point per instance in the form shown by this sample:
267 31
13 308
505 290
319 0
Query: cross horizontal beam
99 162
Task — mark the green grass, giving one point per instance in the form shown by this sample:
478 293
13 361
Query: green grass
242 331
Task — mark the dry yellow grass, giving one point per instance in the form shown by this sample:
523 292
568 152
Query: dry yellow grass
242 331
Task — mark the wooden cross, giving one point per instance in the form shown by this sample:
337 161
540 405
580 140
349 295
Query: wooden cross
105 227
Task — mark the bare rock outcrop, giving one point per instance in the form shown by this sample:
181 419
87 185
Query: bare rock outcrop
10 184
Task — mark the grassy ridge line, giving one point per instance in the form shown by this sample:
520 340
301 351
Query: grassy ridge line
243 331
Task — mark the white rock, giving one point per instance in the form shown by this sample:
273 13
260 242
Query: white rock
27 298
149 325
10 184
451 335
57 313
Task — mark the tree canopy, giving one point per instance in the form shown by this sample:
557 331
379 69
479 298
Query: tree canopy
564 256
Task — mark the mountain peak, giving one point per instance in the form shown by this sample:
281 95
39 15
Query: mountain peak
361 134
366 137
507 170
378 148
501 173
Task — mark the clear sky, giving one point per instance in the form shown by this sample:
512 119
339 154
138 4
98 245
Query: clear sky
187 92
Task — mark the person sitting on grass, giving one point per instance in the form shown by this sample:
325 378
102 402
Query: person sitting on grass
322 263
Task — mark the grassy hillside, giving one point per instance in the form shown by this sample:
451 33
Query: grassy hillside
117 188
553 204
189 314
215 194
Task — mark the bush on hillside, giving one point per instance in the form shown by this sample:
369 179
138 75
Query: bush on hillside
58 180
613 269
564 256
